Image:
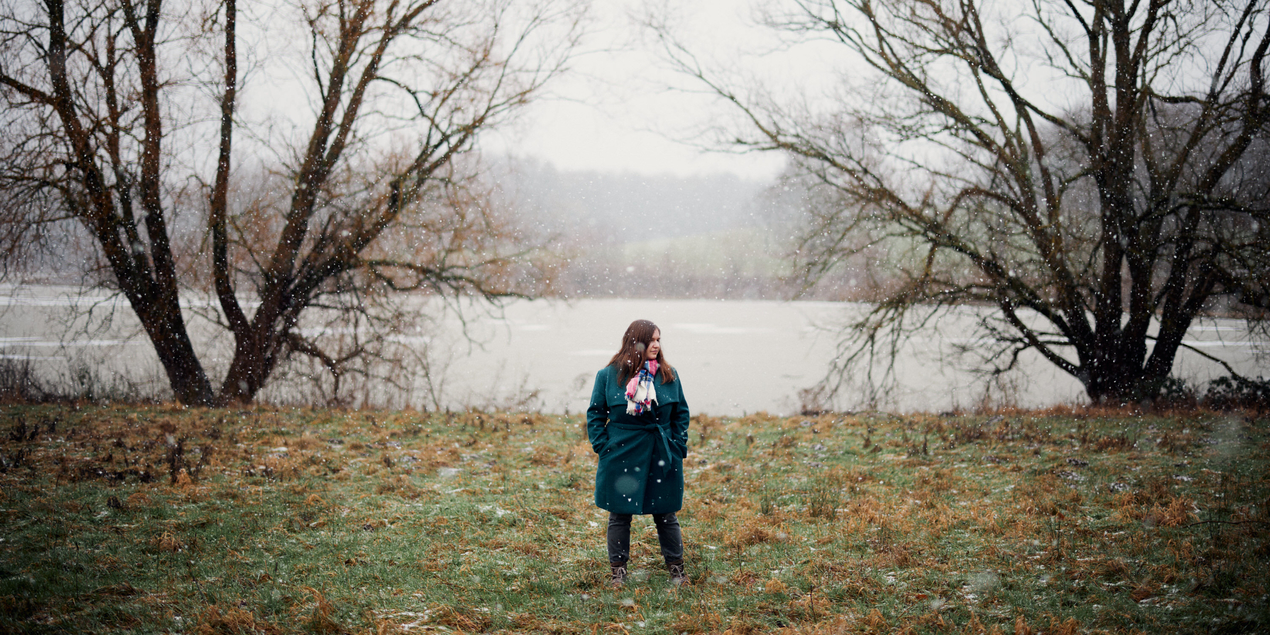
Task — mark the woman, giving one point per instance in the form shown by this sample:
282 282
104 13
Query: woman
638 424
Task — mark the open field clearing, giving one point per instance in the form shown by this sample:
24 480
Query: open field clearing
163 519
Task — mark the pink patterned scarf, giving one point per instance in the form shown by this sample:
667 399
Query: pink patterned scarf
640 393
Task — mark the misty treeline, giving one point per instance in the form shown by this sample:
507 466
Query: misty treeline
624 235
660 236
1094 171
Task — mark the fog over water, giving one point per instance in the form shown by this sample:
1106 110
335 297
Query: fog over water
735 357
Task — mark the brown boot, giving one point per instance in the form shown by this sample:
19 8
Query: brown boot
677 575
617 577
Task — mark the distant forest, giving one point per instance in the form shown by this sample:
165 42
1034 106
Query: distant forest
617 235
662 236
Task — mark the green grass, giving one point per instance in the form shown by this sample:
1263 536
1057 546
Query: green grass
330 521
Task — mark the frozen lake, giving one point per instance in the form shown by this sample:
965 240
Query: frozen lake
734 357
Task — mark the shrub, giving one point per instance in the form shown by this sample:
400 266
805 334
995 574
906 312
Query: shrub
1235 393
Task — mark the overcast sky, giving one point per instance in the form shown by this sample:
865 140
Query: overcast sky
613 112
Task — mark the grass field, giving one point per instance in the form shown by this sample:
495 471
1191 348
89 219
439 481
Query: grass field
163 519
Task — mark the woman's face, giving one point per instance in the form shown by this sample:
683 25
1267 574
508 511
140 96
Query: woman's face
654 346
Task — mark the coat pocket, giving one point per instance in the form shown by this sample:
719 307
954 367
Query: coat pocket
680 450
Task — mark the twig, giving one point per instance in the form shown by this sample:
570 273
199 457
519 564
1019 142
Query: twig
1227 522
189 565
811 601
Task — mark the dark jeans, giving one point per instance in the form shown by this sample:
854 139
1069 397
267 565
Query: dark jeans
672 544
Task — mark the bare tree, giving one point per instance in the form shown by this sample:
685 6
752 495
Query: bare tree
1091 169
381 195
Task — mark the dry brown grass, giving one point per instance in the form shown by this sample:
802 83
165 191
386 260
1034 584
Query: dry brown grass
1016 522
232 621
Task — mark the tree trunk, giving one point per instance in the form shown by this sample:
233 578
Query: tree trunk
257 351
1114 380
166 328
246 375
160 316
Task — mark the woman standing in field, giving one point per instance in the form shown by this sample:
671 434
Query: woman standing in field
638 424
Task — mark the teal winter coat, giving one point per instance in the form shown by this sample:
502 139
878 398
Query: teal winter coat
641 457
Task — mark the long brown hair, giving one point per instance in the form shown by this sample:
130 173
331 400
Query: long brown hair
631 356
